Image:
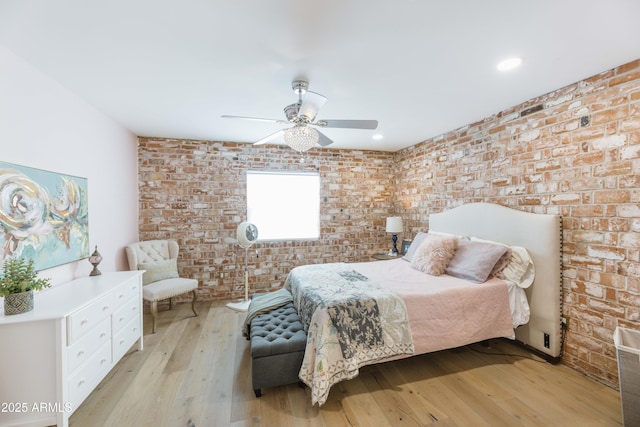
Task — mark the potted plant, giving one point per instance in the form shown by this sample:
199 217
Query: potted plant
17 284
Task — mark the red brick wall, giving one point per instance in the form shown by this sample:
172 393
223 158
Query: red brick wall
553 161
194 192
549 161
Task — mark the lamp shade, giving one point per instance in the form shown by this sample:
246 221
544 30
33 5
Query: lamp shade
394 224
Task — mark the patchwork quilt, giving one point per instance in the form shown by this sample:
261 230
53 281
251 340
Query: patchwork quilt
350 322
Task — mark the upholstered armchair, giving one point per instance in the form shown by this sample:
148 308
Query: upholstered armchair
161 281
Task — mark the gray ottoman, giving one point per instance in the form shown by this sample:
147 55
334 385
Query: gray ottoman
277 348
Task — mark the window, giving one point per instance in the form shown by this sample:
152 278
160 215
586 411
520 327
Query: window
284 205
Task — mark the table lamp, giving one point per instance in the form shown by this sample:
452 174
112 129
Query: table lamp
394 226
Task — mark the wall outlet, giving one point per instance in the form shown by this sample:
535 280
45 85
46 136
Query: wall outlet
547 343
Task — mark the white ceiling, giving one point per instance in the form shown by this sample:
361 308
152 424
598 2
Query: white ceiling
171 68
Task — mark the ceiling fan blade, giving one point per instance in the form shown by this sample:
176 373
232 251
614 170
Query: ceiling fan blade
352 124
323 140
259 119
311 104
270 138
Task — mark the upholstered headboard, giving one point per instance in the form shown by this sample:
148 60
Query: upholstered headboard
541 235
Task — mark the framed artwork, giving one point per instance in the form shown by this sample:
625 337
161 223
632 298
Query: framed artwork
43 216
405 246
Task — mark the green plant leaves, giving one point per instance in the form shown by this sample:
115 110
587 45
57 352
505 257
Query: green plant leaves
20 276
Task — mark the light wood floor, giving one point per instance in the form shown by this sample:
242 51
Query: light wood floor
195 372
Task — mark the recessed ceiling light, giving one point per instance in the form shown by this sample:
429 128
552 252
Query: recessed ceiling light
509 64
377 136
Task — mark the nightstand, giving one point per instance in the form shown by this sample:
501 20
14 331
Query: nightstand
385 256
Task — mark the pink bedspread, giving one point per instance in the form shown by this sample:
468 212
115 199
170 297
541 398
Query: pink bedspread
445 312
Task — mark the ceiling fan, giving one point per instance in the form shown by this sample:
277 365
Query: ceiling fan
303 114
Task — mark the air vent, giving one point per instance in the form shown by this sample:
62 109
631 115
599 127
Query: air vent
530 110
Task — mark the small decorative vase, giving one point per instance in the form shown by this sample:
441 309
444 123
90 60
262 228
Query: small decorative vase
18 303
95 259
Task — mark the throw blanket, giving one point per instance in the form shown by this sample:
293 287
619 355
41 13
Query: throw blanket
350 322
264 303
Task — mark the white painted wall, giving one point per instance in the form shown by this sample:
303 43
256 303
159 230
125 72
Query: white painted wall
43 125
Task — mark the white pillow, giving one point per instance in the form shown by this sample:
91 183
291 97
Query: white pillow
417 241
159 270
520 269
442 233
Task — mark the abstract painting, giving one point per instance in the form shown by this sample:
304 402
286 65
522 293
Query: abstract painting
43 216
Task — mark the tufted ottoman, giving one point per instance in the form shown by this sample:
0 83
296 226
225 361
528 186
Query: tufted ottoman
277 348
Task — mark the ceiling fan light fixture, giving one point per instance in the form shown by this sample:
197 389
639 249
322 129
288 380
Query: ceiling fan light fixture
301 137
303 113
299 87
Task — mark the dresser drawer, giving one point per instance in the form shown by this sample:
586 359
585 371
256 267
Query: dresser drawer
123 340
82 321
128 290
124 314
80 351
89 375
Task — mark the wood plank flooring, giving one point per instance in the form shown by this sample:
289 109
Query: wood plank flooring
195 372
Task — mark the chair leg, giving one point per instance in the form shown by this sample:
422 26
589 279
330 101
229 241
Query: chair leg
170 303
193 302
154 313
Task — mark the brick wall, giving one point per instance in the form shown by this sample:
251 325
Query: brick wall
577 156
573 152
194 192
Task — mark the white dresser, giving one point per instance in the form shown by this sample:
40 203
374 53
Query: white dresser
54 356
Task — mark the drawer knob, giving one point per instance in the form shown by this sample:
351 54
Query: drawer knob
80 383
102 335
103 361
84 322
105 308
80 353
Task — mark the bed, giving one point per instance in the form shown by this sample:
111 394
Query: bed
357 314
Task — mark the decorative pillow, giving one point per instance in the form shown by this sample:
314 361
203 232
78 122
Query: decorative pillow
519 269
474 260
415 244
501 264
434 254
159 270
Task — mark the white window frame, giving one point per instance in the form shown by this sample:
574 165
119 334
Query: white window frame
276 206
